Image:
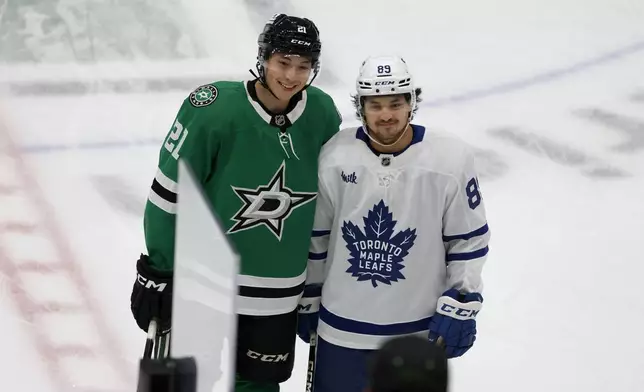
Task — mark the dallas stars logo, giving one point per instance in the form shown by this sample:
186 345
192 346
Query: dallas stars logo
269 205
203 96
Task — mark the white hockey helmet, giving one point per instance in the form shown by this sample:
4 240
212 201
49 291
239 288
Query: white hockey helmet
385 75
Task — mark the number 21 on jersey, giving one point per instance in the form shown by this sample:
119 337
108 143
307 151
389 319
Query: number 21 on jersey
175 139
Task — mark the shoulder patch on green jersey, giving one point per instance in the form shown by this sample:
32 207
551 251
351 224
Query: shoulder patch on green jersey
203 96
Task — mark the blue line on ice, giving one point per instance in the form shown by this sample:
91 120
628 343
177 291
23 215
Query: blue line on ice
100 145
473 95
538 79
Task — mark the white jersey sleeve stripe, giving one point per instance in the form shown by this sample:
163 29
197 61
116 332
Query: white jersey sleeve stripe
467 236
320 233
363 328
468 255
317 258
315 272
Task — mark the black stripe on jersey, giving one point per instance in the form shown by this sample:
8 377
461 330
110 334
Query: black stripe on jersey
467 236
269 292
166 194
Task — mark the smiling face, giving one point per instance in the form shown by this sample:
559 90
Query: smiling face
386 116
286 75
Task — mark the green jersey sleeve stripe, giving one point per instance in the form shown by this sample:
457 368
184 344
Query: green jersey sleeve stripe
163 192
163 204
266 306
270 283
166 182
264 292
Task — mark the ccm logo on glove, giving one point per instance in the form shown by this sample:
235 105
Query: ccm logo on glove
267 357
150 284
448 306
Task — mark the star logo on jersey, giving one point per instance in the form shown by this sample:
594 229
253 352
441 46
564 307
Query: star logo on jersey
376 254
268 205
203 96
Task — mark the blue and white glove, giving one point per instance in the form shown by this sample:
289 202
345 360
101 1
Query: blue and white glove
308 311
455 321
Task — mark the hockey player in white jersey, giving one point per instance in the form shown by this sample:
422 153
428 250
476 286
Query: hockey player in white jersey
400 234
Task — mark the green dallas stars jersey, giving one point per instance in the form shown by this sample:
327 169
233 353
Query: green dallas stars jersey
259 171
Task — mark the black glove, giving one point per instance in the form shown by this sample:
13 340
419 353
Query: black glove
152 296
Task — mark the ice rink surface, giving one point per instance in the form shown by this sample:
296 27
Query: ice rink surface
550 93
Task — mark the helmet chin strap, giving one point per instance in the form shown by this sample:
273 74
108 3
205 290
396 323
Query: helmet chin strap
391 144
262 82
363 118
262 79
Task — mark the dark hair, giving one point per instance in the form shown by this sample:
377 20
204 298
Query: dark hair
356 100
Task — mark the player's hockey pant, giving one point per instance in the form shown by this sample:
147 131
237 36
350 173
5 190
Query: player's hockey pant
340 369
251 386
265 351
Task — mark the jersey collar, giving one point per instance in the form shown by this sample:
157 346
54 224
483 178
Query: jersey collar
417 137
292 112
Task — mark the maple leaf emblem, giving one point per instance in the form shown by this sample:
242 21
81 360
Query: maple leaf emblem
376 254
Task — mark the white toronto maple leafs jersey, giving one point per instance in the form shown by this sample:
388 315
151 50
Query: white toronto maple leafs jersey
391 234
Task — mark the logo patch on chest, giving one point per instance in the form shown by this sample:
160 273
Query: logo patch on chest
349 178
376 254
268 205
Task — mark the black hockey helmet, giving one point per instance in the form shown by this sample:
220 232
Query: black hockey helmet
289 35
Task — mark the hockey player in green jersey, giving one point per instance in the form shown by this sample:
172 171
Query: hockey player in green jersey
254 147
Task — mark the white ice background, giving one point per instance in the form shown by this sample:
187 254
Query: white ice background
550 93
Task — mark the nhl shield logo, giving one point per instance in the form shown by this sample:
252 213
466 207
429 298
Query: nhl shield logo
280 120
203 96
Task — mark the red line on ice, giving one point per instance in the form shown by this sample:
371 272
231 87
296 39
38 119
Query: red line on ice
66 263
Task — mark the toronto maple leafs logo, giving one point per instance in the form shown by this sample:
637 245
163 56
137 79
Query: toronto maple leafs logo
377 254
